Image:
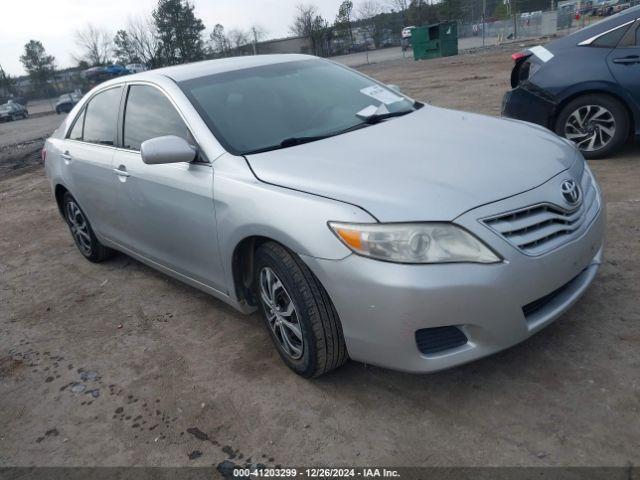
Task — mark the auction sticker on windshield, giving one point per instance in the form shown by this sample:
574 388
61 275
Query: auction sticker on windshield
381 94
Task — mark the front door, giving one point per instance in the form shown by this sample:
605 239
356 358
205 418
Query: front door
624 63
166 211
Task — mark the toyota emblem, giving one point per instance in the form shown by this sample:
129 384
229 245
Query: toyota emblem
570 192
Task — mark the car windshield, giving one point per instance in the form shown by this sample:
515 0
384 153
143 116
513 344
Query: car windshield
266 107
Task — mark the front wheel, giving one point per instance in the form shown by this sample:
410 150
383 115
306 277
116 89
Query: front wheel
298 313
597 124
82 232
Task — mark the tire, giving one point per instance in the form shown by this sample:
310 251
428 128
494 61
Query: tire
57 111
601 113
322 347
81 231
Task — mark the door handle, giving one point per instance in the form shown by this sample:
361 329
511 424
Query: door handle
66 157
121 173
627 60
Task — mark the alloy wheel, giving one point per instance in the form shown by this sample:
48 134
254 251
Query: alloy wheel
590 127
79 227
281 313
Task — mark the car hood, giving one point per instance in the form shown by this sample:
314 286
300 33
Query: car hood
433 164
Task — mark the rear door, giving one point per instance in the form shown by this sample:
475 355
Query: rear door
624 62
87 156
167 210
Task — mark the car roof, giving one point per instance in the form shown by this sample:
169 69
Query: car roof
597 28
189 71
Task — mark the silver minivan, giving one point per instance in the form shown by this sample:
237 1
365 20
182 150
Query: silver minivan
361 223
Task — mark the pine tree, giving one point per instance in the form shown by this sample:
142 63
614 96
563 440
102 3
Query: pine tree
179 31
38 64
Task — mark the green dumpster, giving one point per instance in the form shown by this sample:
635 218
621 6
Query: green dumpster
438 40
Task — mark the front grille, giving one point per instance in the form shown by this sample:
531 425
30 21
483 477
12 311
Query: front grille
540 228
439 339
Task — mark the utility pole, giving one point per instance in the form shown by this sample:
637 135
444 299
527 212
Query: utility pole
255 40
515 20
484 9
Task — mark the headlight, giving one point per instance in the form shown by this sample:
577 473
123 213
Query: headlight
414 242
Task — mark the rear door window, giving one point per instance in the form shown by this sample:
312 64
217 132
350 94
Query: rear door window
611 39
150 114
76 131
101 117
632 37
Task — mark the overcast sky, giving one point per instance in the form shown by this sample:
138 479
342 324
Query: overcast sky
53 22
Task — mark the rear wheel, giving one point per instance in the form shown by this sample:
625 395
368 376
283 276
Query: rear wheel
597 124
82 232
298 313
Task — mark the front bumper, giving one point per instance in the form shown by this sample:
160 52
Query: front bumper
381 305
529 104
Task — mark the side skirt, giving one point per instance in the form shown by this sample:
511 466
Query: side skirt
241 307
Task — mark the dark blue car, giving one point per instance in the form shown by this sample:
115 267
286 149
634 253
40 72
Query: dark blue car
585 87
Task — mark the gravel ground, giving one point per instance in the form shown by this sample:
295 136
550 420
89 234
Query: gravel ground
116 364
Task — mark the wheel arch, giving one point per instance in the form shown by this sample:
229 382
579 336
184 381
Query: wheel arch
242 262
59 192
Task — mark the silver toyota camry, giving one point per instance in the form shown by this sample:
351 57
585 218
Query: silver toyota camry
361 223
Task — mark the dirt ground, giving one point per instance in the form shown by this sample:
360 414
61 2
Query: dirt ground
116 364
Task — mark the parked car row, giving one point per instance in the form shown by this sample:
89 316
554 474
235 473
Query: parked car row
12 111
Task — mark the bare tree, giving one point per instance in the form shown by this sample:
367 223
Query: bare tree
219 43
368 9
308 23
367 12
257 33
238 38
399 5
95 45
144 40
303 21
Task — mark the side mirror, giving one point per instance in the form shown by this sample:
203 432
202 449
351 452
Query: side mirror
168 149
394 87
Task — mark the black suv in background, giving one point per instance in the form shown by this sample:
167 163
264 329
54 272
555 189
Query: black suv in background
585 87
12 111
66 102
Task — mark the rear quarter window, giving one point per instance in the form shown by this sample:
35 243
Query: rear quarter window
76 131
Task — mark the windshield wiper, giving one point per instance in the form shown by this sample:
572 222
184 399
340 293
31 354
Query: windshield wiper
377 117
293 141
373 114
